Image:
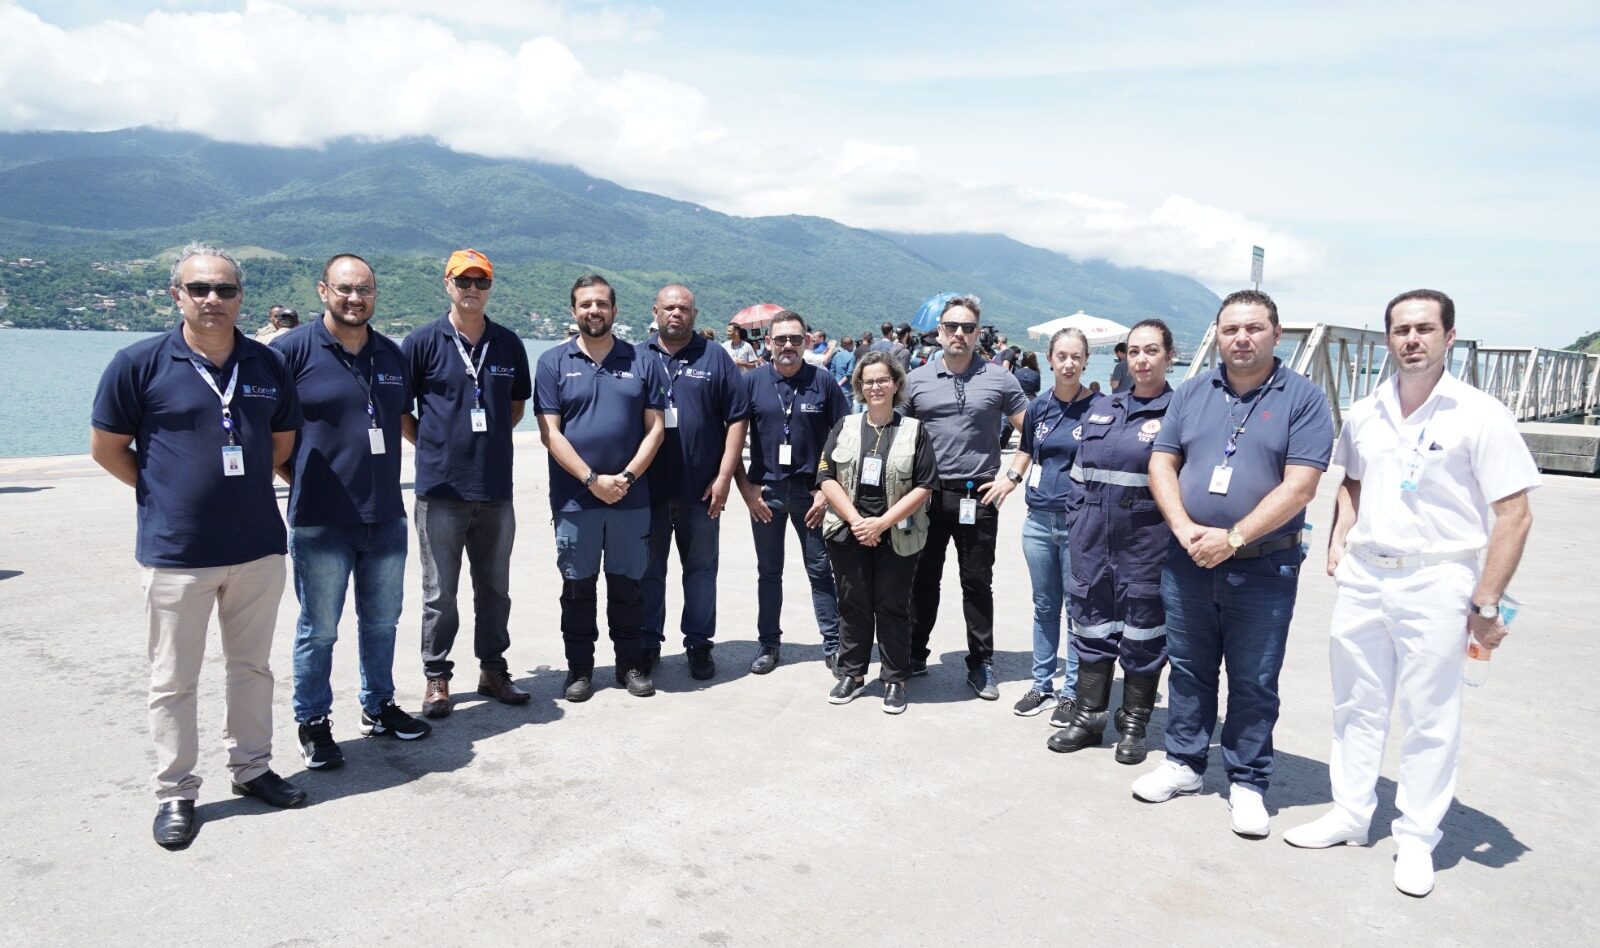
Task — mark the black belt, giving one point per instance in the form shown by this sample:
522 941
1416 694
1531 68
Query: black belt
1257 550
960 484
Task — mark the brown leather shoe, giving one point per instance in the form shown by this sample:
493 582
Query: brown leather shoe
497 685
436 703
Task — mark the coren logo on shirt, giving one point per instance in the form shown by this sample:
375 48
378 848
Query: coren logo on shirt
697 373
388 378
258 391
809 409
502 371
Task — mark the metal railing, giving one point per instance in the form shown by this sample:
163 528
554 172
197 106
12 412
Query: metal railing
1348 364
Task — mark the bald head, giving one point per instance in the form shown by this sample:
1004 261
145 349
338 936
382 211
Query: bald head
674 313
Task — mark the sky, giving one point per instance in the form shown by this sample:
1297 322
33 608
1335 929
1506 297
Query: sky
1369 147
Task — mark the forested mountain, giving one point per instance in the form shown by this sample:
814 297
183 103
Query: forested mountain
119 199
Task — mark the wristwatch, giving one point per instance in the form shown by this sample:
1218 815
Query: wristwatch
1487 612
628 476
591 478
1013 476
1235 538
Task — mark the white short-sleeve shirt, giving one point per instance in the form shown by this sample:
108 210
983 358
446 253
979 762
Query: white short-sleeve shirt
1462 451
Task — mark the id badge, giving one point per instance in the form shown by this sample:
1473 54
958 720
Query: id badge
480 420
375 440
1221 476
233 461
969 511
1409 485
785 455
670 416
1035 475
872 471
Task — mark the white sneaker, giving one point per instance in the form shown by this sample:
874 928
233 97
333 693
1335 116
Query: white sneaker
1330 829
1413 870
1165 782
1249 813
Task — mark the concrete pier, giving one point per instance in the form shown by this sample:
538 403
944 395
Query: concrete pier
747 810
1565 449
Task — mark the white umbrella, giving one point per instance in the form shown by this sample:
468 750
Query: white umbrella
1098 330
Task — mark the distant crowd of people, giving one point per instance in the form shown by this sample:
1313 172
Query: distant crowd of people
1163 529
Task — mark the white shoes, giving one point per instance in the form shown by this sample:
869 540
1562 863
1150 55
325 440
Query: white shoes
1413 870
1249 812
1330 829
1165 782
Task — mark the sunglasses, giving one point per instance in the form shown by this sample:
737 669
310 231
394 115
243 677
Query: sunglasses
199 291
953 328
788 340
482 283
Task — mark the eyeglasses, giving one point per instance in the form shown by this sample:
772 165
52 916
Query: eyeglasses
876 383
344 289
199 291
788 340
482 283
953 328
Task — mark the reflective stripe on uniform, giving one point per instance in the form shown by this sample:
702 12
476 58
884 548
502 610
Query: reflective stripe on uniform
1136 634
1084 475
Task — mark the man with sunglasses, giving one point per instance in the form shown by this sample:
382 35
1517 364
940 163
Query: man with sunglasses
961 401
195 421
346 516
793 407
469 381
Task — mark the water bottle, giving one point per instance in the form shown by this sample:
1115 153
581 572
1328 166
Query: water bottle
1305 540
1476 670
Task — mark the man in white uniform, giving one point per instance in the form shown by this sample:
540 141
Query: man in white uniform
1426 457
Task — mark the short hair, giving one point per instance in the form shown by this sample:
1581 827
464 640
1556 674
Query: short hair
845 339
1072 332
1447 306
789 316
866 337
588 280
198 249
1249 298
348 256
966 301
887 328
1166 334
879 357
1120 348
743 336
1030 361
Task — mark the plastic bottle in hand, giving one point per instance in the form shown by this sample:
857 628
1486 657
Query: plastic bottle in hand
1476 670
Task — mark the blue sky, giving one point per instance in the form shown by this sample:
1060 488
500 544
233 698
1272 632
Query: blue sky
1370 147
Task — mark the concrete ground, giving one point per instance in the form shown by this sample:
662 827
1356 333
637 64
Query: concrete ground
747 810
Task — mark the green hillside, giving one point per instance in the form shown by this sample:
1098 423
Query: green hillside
118 198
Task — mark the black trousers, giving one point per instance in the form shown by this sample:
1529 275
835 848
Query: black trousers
874 590
975 560
580 629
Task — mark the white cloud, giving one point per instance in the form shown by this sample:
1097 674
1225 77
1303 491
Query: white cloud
304 72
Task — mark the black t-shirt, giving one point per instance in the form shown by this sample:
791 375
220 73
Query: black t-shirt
871 501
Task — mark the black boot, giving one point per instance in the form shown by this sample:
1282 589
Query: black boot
1138 698
1089 719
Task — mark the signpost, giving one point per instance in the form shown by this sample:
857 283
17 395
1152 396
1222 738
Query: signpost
1258 259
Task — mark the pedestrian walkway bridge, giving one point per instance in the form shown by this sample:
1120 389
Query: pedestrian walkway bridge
1538 385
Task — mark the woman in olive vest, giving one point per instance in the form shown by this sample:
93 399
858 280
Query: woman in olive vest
877 473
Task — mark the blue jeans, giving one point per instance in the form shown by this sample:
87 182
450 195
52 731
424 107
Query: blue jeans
485 532
698 536
324 559
1044 547
789 500
1236 613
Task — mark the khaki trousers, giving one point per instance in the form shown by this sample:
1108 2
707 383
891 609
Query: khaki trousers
178 603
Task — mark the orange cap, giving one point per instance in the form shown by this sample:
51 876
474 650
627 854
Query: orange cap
463 260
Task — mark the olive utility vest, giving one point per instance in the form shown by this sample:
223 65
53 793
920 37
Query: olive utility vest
908 537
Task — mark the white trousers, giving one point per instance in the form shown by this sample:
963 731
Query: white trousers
1398 633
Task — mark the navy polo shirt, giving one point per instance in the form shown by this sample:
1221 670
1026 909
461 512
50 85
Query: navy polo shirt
453 461
1286 421
1051 433
337 478
192 516
810 400
601 409
709 393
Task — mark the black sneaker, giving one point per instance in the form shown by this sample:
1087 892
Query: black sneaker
1065 707
395 723
317 745
649 658
639 683
847 690
766 660
982 681
1033 702
919 667
701 667
894 698
579 687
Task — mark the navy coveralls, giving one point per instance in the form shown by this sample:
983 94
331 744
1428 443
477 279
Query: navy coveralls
1118 538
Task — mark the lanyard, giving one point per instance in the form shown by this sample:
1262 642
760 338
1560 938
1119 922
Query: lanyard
788 406
226 397
1416 449
473 371
366 384
1039 439
961 385
672 376
1229 449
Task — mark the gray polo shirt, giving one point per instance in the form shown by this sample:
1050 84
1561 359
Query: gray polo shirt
1286 421
962 415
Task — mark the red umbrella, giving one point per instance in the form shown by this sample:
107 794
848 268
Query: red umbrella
756 317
